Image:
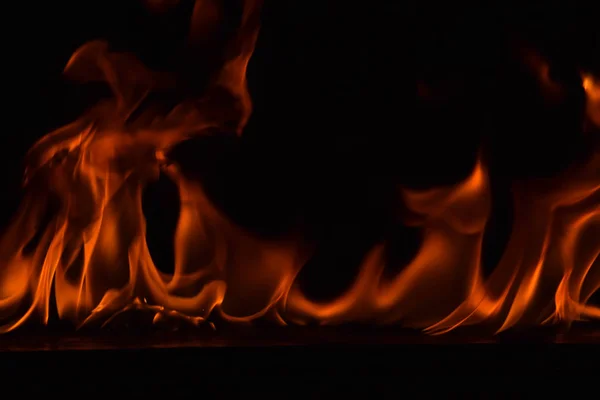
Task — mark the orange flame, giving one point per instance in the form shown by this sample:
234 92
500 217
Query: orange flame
94 257
592 89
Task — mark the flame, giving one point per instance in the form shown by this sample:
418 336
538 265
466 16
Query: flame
91 260
592 90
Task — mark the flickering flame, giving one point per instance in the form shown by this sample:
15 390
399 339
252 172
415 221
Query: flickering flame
93 261
592 89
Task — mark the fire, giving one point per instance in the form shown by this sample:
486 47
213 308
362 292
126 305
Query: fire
592 89
90 260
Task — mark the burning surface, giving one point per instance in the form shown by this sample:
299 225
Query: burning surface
93 261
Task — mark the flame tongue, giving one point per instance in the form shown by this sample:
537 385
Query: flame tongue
591 86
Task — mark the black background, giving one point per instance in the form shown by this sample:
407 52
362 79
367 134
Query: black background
336 127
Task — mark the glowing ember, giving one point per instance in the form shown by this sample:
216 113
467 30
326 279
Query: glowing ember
92 258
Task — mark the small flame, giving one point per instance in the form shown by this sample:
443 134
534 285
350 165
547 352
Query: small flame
592 90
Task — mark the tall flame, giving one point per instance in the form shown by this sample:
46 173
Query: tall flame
93 261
